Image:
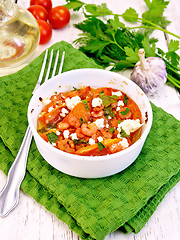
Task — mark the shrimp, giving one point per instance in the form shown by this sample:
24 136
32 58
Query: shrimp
114 123
66 145
122 113
72 94
114 105
97 114
63 126
73 120
89 129
106 134
79 133
99 108
98 111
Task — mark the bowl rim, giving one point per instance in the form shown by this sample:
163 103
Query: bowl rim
91 158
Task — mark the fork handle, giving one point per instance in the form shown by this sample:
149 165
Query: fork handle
9 196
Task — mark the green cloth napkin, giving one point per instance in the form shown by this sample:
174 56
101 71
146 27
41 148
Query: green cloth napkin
92 208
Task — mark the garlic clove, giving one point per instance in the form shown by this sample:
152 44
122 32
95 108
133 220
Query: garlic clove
150 73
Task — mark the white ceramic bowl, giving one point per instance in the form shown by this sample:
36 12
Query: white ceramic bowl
87 166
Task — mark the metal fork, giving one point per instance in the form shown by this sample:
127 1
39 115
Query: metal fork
9 196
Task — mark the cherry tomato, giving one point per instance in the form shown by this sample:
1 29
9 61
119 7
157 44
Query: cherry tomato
47 4
38 12
45 31
59 17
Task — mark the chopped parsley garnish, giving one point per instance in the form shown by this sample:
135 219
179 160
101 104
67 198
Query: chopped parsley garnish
111 130
125 112
85 102
82 121
52 137
126 99
79 141
119 121
114 96
107 100
101 146
108 112
123 133
76 89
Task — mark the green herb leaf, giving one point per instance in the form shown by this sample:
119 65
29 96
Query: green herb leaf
79 141
173 57
107 100
119 121
123 133
98 10
161 52
125 99
74 4
115 23
154 14
101 146
132 55
114 96
173 45
130 15
112 129
82 121
122 64
85 102
52 137
149 49
108 112
75 89
125 112
148 3
171 54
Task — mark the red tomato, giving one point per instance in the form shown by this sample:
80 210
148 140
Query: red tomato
45 31
38 12
47 4
59 17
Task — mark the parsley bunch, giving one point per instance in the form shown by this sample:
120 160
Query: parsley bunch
111 43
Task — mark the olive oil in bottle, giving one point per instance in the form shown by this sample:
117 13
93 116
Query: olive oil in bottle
19 34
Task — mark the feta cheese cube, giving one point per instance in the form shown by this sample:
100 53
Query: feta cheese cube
118 93
120 103
74 136
129 126
96 102
118 135
99 123
100 139
91 141
66 133
64 111
58 133
124 143
71 102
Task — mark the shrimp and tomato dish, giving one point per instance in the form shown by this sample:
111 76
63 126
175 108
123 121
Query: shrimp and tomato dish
90 122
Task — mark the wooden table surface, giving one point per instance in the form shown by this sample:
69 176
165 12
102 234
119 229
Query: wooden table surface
30 221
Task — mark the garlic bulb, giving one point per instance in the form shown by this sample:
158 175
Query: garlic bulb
150 73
